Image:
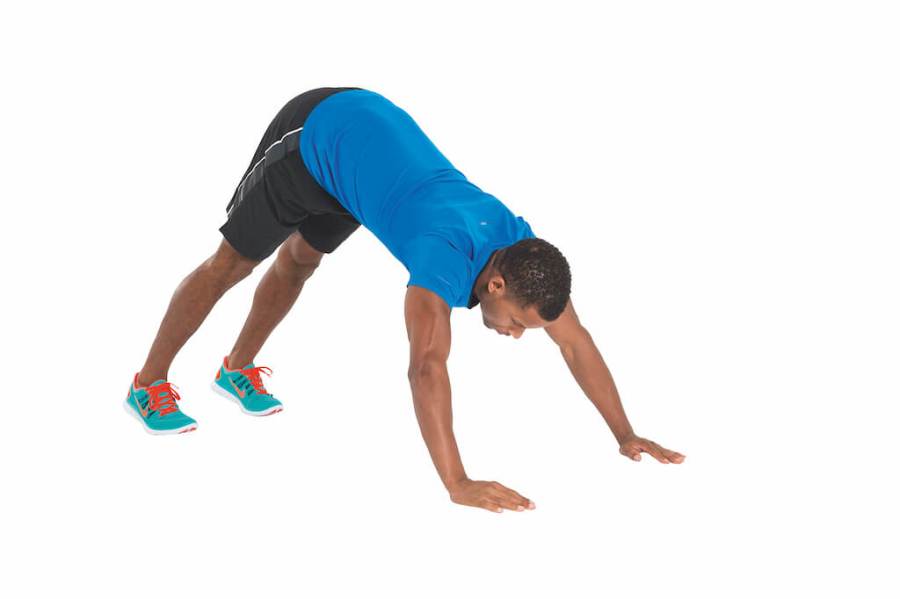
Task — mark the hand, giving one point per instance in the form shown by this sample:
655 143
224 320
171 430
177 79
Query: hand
489 495
632 448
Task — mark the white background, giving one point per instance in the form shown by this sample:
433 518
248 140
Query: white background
722 177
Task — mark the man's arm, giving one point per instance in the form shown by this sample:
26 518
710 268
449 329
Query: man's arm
587 366
428 329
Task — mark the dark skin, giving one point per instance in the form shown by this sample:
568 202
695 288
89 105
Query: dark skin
196 295
428 330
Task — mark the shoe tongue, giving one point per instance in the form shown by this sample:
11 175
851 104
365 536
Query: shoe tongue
250 365
157 382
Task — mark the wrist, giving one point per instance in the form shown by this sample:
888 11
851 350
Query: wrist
623 437
452 484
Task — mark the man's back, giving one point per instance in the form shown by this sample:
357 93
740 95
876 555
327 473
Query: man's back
376 161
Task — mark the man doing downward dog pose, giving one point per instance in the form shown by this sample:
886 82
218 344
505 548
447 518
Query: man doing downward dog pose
335 158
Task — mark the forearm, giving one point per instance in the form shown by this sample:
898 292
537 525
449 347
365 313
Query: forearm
431 399
587 366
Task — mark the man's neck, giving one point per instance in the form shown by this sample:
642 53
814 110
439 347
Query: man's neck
483 276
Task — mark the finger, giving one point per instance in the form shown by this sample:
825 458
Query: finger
502 499
657 452
512 501
674 456
520 499
490 506
677 457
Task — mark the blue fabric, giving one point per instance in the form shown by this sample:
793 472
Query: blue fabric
376 161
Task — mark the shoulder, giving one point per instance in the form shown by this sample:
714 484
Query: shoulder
436 264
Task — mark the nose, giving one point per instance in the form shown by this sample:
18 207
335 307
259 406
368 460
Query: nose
516 333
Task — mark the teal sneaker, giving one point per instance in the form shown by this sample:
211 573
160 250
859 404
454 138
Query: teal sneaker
156 408
244 387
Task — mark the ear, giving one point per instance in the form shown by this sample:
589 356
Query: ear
497 284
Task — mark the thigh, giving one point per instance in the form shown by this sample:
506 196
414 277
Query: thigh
253 228
325 232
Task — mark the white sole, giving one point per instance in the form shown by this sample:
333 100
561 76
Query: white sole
184 429
215 387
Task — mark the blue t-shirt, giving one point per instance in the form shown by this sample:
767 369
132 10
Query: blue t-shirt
375 160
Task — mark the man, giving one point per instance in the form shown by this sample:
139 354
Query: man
332 159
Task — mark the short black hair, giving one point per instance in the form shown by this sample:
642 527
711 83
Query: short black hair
537 274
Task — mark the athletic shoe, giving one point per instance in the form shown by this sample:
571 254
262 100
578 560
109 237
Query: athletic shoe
155 406
244 386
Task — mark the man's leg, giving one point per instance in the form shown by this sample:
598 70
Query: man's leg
277 291
190 304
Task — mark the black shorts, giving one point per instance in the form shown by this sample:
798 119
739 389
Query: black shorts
278 195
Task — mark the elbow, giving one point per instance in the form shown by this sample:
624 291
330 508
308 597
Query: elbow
567 351
580 338
425 369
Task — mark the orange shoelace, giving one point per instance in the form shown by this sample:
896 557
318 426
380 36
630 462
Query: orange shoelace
255 378
163 405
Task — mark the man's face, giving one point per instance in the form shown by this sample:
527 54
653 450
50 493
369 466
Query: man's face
500 313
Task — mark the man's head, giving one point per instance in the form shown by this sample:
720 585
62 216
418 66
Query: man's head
524 285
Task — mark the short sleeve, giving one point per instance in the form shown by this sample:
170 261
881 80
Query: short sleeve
435 264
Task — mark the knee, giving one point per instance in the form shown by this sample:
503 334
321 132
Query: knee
297 254
227 266
296 260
